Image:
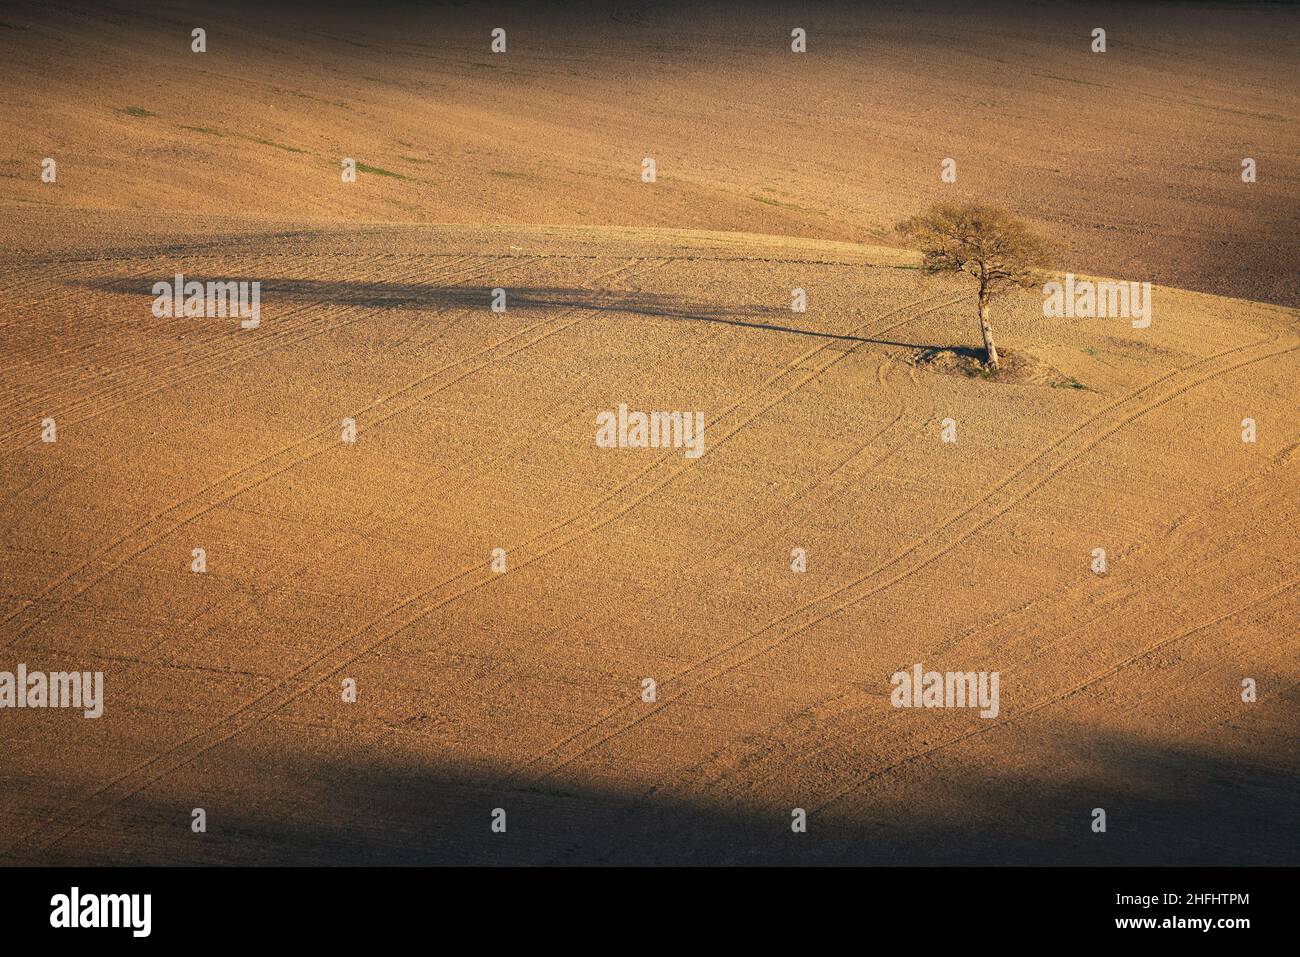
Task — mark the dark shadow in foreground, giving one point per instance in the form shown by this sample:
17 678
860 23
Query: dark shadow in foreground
1164 806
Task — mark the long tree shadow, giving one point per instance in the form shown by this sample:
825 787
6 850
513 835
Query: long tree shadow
417 296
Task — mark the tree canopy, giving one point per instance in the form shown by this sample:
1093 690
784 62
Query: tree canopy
986 242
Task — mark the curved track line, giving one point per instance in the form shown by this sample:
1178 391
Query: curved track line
320 668
740 652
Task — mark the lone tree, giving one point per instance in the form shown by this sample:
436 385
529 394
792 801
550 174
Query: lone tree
985 242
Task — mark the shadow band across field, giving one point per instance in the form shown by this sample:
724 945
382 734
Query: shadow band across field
414 296
1164 806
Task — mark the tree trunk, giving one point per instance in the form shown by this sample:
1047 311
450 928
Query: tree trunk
990 350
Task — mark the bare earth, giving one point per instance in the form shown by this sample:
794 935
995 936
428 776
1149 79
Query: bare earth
523 691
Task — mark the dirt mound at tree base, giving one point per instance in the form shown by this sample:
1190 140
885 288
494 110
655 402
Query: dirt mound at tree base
1016 367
